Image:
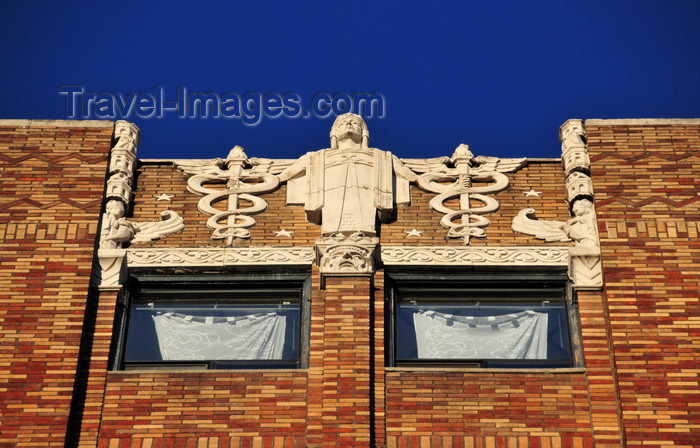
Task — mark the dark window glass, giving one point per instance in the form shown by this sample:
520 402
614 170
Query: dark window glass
484 327
237 328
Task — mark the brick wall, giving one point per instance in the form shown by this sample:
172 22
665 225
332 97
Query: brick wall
52 177
646 182
638 336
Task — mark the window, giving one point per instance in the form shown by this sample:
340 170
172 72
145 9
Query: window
506 322
212 322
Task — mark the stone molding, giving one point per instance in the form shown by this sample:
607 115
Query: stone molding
475 256
219 257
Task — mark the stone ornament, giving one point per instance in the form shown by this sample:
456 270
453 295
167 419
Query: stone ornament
585 267
471 256
574 147
122 162
341 255
581 229
117 231
469 220
585 270
219 257
112 273
240 184
123 232
345 188
578 185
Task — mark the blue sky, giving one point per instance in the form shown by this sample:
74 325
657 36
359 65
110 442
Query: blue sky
500 76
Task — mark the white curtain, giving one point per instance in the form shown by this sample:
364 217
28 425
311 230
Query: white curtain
184 338
510 336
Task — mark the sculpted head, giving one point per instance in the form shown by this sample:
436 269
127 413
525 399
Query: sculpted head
350 126
581 207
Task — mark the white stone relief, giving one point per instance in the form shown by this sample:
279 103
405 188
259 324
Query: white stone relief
170 222
574 147
346 187
175 257
581 228
468 221
213 257
578 185
340 255
585 269
447 255
117 231
114 230
240 184
112 268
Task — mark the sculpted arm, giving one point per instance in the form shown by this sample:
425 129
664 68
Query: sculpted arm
294 169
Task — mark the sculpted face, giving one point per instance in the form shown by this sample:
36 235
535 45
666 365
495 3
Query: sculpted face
349 126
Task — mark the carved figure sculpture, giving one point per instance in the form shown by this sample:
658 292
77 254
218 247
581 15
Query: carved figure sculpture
581 228
347 186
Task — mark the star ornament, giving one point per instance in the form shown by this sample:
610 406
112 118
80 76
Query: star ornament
282 232
413 232
533 193
163 197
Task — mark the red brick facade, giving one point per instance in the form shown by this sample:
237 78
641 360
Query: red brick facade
52 178
636 386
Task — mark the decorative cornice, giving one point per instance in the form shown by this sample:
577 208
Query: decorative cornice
475 256
219 257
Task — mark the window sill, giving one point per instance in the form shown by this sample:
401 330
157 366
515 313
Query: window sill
182 370
482 370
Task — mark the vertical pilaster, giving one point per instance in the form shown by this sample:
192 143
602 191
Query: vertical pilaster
339 386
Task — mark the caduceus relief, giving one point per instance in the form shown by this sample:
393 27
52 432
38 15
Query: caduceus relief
469 220
240 184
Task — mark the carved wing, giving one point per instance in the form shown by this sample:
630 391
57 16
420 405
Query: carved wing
170 222
272 166
490 164
550 231
210 167
436 164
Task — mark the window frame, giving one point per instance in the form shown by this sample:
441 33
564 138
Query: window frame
187 286
440 282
